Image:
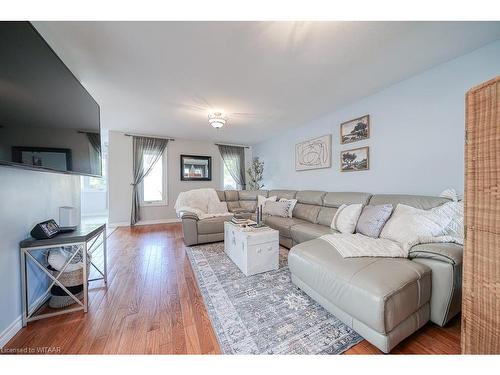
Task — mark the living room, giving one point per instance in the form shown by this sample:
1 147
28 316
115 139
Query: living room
245 185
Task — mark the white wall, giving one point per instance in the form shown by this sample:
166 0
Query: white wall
120 176
26 198
416 134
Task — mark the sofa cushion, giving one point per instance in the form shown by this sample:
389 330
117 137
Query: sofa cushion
446 252
238 210
325 215
379 292
282 224
418 201
340 198
249 206
306 212
310 197
213 224
287 194
232 195
222 195
251 195
308 231
232 206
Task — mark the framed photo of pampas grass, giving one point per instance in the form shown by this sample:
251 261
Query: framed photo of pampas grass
357 159
355 130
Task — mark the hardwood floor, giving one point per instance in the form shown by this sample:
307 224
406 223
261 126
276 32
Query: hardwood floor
153 305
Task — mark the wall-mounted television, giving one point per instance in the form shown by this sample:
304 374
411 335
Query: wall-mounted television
48 121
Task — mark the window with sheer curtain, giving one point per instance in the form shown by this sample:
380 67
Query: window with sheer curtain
229 183
154 187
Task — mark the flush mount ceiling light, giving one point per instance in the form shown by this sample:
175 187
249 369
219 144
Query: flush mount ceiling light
216 119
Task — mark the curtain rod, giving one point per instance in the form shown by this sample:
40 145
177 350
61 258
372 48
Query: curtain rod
229 144
148 136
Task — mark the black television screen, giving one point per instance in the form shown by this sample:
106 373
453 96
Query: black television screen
48 120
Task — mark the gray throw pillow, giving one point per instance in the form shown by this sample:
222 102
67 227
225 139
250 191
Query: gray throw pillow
276 208
372 219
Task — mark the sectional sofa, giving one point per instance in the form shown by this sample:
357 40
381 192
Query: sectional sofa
383 299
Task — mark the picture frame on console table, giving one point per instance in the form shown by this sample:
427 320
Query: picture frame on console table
356 159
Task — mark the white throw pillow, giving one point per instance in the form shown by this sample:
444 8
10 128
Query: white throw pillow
408 224
261 200
276 209
456 211
292 202
346 218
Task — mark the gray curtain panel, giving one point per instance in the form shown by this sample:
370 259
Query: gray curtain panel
96 156
141 167
234 159
95 141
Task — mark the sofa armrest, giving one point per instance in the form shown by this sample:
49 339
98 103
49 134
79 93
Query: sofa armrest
446 252
188 215
445 262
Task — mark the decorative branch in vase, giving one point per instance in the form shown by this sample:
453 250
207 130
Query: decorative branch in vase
255 172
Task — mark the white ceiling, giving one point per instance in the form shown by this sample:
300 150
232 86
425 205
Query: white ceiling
162 78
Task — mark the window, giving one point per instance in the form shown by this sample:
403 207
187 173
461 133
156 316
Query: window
98 184
228 183
154 187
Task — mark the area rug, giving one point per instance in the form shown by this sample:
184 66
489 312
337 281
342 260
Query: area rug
264 313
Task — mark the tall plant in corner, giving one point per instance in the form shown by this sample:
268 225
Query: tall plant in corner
255 172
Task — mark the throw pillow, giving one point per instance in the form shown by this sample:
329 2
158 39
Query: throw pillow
292 202
346 217
456 211
261 200
276 209
408 224
373 219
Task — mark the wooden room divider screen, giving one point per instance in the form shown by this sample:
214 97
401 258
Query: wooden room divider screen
481 272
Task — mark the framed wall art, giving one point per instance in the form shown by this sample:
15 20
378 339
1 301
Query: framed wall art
314 154
357 159
355 130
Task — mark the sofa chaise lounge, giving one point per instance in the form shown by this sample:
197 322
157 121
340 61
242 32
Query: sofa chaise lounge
383 299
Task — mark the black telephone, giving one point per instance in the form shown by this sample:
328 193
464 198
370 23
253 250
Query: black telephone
44 230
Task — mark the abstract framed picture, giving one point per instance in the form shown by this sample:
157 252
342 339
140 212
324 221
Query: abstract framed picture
357 159
355 130
314 154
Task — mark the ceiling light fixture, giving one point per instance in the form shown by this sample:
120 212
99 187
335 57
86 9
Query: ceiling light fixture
216 119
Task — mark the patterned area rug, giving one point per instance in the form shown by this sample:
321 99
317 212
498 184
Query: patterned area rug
264 313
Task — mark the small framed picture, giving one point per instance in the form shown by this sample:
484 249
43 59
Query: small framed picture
196 168
357 159
355 130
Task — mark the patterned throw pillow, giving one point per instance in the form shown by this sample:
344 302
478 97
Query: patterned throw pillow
276 209
292 202
407 224
346 217
373 219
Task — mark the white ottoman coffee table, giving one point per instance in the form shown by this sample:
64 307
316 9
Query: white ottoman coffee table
252 250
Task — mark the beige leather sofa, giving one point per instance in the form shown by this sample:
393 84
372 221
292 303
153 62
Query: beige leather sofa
383 299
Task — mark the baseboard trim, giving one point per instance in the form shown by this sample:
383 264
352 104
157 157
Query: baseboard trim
145 222
10 331
17 324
